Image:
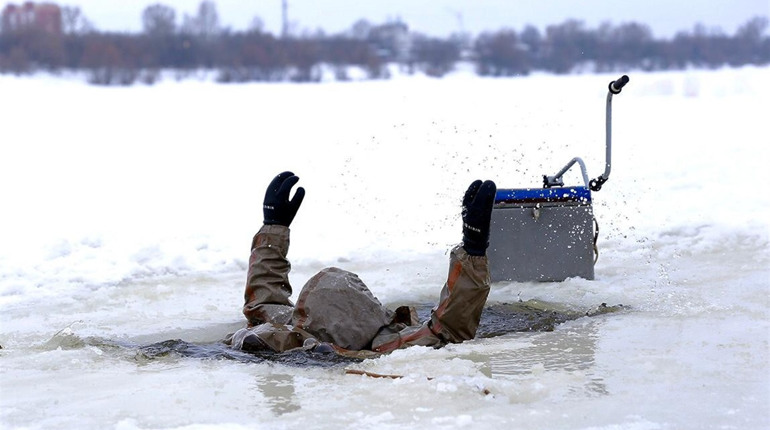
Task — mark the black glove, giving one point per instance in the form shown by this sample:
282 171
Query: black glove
477 212
278 209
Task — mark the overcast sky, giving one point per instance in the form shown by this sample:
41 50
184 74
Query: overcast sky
441 17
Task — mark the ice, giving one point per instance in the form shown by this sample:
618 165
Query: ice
127 215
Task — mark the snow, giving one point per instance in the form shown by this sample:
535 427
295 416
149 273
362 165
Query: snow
127 215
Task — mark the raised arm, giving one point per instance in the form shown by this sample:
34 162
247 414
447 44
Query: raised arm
456 317
267 284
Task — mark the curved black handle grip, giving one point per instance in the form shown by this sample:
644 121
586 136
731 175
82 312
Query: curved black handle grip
616 86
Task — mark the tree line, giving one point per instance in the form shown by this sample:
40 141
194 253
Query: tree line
200 42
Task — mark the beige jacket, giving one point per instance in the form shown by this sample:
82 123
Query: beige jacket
336 307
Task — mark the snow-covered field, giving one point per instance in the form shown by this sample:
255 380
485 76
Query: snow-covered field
126 215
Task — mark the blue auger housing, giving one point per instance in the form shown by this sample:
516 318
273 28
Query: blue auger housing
544 234
549 233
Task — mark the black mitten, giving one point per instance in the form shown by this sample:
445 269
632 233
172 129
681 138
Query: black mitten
477 213
277 208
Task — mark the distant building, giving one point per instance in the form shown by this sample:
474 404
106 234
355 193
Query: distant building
44 17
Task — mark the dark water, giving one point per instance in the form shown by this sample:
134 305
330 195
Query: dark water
220 351
501 319
496 320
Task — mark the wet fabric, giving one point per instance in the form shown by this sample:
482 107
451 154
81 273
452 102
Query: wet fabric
456 317
337 308
267 284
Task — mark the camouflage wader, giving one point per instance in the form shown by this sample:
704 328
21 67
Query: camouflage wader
336 307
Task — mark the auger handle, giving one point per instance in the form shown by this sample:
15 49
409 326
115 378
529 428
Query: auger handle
616 86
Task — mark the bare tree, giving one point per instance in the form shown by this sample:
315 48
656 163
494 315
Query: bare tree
568 44
435 57
257 25
108 60
206 23
74 22
361 29
159 19
532 41
119 58
501 54
753 29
